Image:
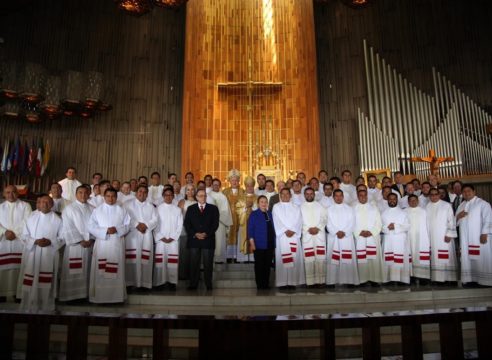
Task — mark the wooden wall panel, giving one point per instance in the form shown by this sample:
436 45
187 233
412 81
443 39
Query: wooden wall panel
142 62
412 35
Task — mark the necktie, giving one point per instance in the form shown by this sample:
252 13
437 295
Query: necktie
456 202
201 208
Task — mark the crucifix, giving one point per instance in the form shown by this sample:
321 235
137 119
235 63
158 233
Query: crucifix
433 161
250 86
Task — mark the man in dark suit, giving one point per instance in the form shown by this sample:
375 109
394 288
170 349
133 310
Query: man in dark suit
276 198
399 185
201 222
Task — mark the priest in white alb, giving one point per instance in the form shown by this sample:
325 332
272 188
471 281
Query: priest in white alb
367 240
327 199
69 184
341 253
139 242
98 200
418 235
74 279
349 190
38 283
109 223
166 239
225 220
125 193
373 192
396 247
289 258
13 216
442 231
474 218
313 239
155 189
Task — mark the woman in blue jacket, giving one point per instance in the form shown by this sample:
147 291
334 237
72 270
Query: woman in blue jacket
261 235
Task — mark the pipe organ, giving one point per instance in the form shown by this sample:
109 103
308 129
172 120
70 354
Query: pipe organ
404 122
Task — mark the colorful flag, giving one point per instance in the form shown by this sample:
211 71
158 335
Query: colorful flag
32 158
10 159
39 159
5 156
22 159
46 157
15 157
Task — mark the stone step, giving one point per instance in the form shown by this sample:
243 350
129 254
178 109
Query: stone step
233 275
306 300
234 267
272 302
235 284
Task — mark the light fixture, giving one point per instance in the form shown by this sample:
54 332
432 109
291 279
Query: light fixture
356 4
71 92
134 7
32 82
141 7
93 83
51 104
170 4
8 80
11 110
28 92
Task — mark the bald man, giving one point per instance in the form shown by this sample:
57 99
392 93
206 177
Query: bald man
13 216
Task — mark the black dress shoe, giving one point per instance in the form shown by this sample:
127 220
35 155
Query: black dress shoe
171 287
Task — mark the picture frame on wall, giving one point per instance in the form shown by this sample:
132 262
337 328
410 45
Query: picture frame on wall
379 173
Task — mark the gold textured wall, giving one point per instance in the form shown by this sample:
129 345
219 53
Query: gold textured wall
250 87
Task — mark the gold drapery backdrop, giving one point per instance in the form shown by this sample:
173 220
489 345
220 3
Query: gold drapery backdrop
250 91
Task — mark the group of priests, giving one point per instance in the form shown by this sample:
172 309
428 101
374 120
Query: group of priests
94 241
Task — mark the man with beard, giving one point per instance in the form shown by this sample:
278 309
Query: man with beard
474 217
395 242
368 243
